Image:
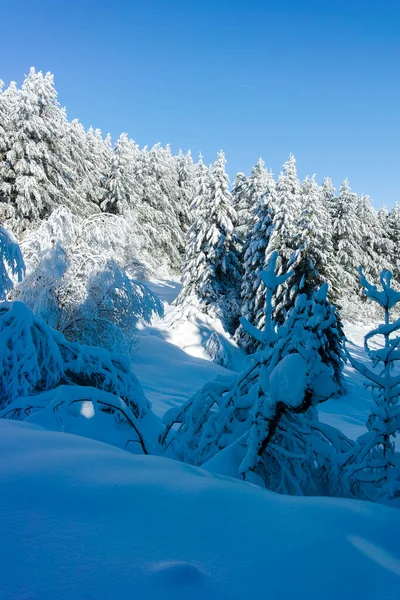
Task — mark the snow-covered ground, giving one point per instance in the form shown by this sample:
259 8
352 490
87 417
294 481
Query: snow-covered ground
83 520
171 362
80 519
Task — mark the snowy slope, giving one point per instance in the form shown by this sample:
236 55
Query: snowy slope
171 362
172 365
85 521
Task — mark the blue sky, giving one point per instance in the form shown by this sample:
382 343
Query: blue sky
256 78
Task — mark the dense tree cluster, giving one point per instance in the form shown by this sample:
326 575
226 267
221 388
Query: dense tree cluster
185 215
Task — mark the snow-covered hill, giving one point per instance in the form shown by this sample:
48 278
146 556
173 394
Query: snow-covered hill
84 520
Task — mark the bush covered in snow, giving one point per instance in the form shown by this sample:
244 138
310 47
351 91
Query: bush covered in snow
81 283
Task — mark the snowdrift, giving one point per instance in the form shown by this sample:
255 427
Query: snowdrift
82 519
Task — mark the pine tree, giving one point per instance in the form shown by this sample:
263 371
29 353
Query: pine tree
120 190
210 268
160 218
346 240
40 176
195 259
383 242
312 265
100 155
371 469
240 204
262 424
79 152
186 182
288 206
253 288
371 234
8 108
394 236
247 192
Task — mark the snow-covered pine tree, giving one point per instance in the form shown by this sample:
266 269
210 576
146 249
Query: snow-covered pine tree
253 289
39 168
394 236
100 154
8 106
288 206
241 206
328 194
186 183
194 264
156 174
313 262
371 234
383 243
371 469
79 151
257 184
121 192
261 425
8 109
211 269
346 235
246 194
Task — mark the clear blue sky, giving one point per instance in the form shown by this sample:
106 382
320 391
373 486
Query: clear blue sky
319 78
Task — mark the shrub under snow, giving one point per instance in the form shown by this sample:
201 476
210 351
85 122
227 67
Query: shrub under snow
36 359
80 281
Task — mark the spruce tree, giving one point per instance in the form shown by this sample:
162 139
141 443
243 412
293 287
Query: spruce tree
40 176
312 243
186 182
8 108
247 192
347 240
253 289
286 214
394 236
371 234
120 190
241 205
210 268
371 469
100 155
159 218
383 243
328 195
87 178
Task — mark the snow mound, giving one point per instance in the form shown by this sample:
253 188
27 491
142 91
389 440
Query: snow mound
288 381
82 519
178 573
217 351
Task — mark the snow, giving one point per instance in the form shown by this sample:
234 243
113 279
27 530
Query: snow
170 360
81 519
288 380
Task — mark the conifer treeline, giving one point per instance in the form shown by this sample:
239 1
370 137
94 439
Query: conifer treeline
186 210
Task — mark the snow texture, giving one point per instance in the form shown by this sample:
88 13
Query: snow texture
80 519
